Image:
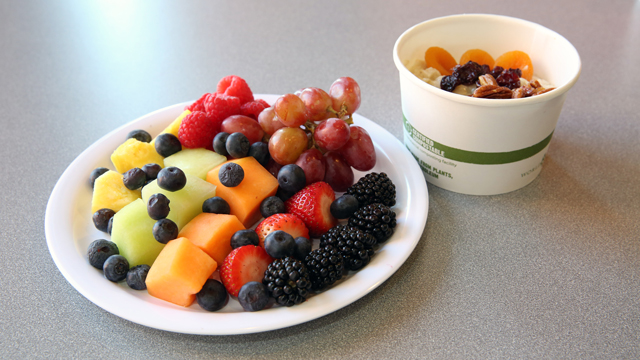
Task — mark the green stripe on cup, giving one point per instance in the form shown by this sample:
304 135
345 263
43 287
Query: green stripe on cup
473 157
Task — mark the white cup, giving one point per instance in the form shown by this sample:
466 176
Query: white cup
483 146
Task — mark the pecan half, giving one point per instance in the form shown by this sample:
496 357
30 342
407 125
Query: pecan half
541 90
535 84
487 79
492 92
523 91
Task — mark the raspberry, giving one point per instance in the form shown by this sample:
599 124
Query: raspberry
253 108
198 105
235 86
197 130
220 107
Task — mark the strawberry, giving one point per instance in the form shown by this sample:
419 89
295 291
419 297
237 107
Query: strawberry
312 204
288 223
242 265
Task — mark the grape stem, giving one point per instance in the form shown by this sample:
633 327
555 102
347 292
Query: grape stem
341 114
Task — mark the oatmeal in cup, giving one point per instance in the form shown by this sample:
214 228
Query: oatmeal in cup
477 145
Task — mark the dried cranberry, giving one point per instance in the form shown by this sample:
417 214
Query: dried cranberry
448 83
497 71
468 73
509 78
486 69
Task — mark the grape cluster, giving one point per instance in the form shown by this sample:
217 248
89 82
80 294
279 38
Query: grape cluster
314 129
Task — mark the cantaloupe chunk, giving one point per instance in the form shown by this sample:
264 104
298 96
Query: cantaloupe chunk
179 272
244 199
109 192
212 233
173 127
133 153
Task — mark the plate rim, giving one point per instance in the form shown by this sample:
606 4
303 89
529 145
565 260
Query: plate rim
311 310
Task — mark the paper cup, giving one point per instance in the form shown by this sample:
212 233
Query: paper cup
482 146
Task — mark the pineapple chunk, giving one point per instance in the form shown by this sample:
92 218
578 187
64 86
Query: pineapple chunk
173 127
109 192
133 153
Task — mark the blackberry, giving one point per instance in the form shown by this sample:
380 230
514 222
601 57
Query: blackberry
355 245
287 281
325 265
374 188
376 219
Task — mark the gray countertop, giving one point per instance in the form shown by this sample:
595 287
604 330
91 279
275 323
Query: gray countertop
549 271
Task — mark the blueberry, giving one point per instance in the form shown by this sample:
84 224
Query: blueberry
139 135
95 174
115 268
101 219
100 250
279 244
151 170
283 194
231 174
216 205
158 206
302 248
134 178
167 144
291 178
260 151
110 225
219 143
171 179
244 237
344 206
237 145
272 205
253 296
213 296
165 230
136 277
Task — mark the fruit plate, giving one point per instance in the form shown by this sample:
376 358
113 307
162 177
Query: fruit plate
69 231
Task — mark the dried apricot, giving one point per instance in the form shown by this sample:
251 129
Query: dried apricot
516 60
478 56
440 59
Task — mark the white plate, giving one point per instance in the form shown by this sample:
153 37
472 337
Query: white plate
69 231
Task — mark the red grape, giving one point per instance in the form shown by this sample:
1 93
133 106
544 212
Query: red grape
273 167
359 151
269 121
243 124
318 103
311 162
332 134
286 145
291 110
337 172
345 95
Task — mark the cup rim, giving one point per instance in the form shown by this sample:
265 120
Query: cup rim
558 91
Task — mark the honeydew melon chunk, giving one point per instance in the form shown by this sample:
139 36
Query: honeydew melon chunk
196 162
173 127
132 231
186 203
133 153
109 192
